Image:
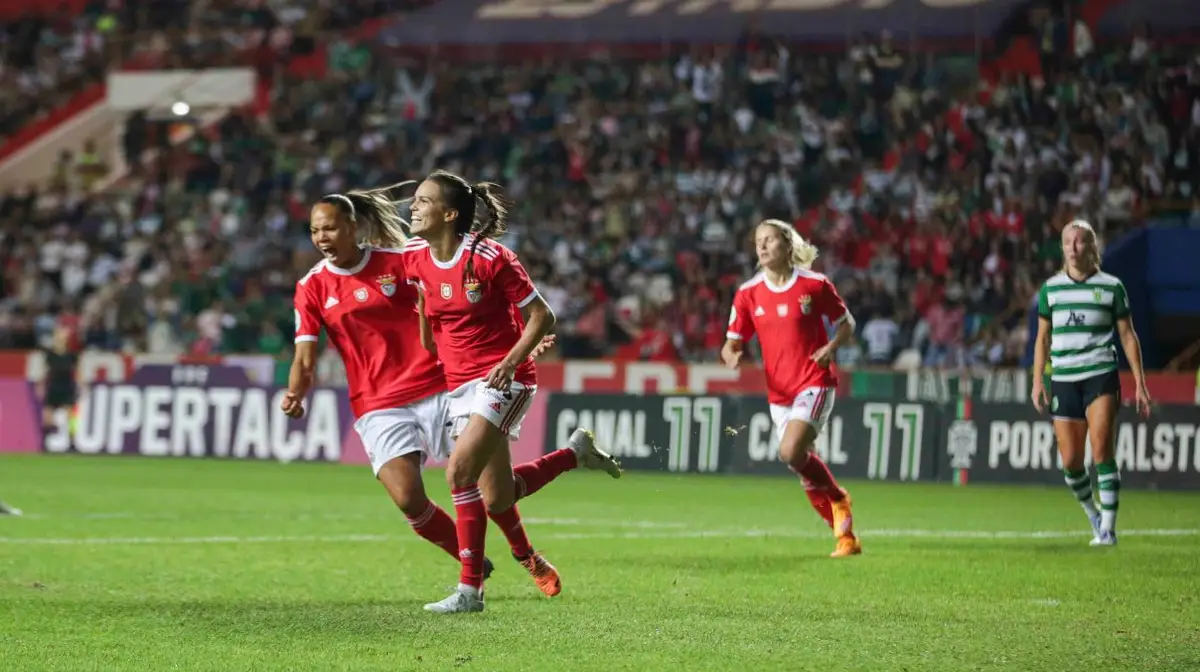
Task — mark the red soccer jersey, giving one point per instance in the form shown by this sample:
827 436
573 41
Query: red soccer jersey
370 315
788 322
476 320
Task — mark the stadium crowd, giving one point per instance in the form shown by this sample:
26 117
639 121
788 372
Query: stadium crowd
936 200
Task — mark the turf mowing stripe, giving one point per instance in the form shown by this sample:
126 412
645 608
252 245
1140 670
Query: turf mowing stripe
684 534
563 522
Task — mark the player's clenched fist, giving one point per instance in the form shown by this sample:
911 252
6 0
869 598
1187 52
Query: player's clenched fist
292 405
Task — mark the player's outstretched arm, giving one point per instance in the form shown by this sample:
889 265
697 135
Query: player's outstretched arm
300 379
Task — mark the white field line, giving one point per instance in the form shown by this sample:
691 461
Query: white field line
682 534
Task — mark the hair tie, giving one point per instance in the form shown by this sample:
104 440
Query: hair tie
344 199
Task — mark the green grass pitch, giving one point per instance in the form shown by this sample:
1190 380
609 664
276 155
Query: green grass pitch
141 564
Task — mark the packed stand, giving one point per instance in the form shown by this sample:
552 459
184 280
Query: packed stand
936 206
50 55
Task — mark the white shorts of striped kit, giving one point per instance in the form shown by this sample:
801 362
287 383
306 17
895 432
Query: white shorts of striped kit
420 427
813 405
505 410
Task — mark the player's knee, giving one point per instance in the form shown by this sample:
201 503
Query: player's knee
411 503
794 452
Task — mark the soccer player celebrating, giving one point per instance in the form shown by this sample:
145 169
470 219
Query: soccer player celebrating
787 304
1082 312
486 318
360 296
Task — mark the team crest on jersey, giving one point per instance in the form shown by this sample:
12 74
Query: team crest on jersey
387 284
361 294
447 290
473 291
1098 294
806 304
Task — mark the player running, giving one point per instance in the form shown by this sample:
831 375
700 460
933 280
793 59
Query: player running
486 318
786 304
360 297
1082 312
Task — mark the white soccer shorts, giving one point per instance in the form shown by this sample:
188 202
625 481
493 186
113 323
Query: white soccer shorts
814 405
395 432
505 410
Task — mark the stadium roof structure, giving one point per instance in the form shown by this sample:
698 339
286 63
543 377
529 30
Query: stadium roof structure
625 21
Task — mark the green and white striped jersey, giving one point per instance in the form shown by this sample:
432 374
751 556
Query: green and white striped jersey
1083 318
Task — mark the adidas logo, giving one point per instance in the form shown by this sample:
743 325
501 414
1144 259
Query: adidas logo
330 302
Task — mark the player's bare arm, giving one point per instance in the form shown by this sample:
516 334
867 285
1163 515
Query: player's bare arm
427 341
1041 351
546 344
732 351
539 320
841 336
1133 352
300 379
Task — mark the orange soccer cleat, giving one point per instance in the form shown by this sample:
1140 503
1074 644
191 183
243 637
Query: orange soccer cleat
544 574
843 528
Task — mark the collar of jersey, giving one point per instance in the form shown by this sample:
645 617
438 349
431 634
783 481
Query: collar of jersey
447 265
785 287
355 269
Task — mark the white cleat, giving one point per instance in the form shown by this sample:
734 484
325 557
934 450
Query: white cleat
6 510
1096 530
1105 538
583 442
462 601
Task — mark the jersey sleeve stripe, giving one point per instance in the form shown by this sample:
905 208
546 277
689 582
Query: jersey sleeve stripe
528 300
845 316
733 336
307 339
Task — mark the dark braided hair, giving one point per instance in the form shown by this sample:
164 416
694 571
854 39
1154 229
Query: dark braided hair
460 195
376 214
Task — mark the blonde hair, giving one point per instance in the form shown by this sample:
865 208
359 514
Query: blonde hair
1091 239
802 253
376 214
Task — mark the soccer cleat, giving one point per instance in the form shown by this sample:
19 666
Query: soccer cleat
1105 538
9 510
544 574
488 568
583 442
843 520
847 545
462 601
1095 521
